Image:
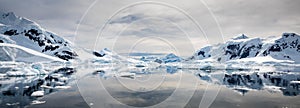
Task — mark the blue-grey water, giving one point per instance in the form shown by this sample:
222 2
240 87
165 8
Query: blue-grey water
159 87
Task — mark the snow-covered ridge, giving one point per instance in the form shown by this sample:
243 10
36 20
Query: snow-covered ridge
243 36
286 47
11 19
108 54
169 58
29 34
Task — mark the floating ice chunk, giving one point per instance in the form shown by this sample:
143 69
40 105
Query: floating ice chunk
62 87
2 75
12 104
37 102
37 93
59 83
272 88
295 82
48 87
125 74
56 75
15 73
91 104
64 78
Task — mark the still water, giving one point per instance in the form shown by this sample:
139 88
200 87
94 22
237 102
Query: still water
157 87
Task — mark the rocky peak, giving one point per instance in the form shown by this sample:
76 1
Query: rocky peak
241 36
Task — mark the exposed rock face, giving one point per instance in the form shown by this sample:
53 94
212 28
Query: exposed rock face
287 47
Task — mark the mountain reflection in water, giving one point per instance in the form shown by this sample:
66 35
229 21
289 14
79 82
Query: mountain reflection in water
17 91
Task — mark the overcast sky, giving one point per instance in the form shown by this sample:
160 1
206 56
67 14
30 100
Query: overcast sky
179 26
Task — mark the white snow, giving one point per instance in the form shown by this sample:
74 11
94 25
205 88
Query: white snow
295 82
256 50
35 56
37 93
48 87
62 87
261 60
20 73
111 57
29 34
35 102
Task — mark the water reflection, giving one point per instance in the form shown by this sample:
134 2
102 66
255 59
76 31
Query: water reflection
242 82
22 91
17 91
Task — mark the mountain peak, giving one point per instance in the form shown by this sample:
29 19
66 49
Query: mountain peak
9 18
286 35
8 15
241 36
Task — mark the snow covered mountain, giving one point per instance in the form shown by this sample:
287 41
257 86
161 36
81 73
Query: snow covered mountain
29 34
285 47
169 59
105 55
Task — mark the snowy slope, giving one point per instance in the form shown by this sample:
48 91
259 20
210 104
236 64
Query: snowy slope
106 55
28 34
6 54
284 48
23 54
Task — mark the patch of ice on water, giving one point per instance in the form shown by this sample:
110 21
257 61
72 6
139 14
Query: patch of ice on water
37 93
35 102
62 87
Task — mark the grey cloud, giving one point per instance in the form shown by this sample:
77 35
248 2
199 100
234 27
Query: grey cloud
256 18
127 19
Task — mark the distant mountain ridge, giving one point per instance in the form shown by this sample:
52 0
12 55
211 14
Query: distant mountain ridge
286 47
29 34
